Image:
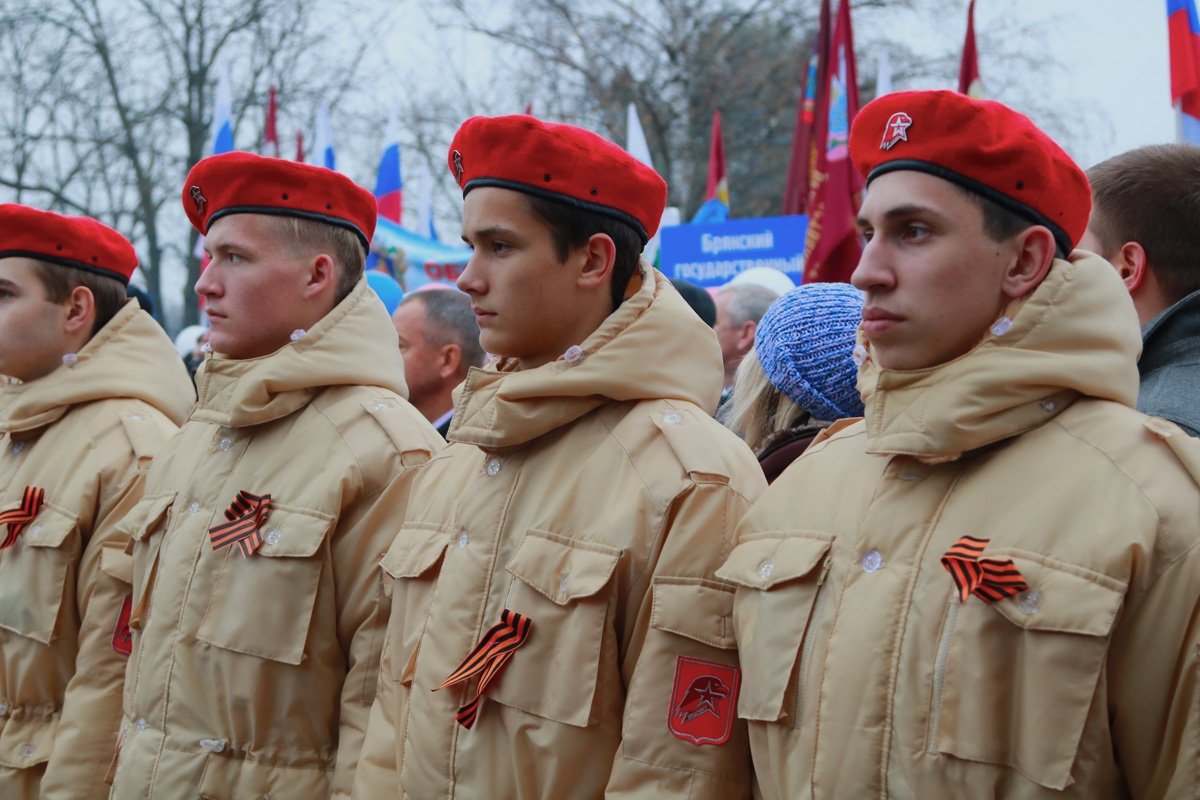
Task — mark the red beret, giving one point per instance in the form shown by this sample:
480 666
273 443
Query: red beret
79 242
983 146
243 183
559 162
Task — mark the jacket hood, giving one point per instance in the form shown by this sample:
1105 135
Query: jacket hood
1076 334
353 345
130 357
652 347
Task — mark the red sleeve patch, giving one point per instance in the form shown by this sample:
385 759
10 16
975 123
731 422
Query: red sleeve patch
122 639
703 701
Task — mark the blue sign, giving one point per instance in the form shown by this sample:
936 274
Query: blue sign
713 255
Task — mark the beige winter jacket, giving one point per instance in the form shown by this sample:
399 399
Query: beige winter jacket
865 676
253 676
82 434
596 498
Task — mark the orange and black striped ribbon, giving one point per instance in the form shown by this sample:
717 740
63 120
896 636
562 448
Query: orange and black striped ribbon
989 579
246 514
31 503
487 659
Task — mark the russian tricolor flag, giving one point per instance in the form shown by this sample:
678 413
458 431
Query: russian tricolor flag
323 154
389 181
1183 31
222 126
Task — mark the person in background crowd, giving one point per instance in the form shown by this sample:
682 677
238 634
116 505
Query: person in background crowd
1145 206
556 631
739 308
96 390
988 586
439 339
257 615
699 300
800 376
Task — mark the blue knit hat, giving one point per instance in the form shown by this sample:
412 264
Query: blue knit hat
805 343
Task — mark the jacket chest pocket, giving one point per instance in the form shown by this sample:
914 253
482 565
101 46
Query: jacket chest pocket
34 572
410 566
1035 656
263 605
558 583
779 577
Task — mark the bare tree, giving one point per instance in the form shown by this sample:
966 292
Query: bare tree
110 103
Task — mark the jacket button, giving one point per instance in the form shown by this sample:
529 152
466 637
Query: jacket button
3 709
766 568
860 355
1030 601
16 448
872 561
673 418
140 725
493 466
225 443
193 508
573 355
462 540
26 751
272 536
35 531
135 418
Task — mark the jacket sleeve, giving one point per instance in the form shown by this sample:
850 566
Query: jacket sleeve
87 730
377 775
682 639
1154 685
361 541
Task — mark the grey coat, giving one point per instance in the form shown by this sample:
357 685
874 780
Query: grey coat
1170 365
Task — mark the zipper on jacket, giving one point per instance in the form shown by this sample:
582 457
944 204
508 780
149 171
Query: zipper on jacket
939 672
807 647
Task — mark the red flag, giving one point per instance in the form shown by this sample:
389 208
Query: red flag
968 70
832 247
300 146
796 190
716 191
529 109
270 135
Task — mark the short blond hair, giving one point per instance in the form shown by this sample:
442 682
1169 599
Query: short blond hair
310 236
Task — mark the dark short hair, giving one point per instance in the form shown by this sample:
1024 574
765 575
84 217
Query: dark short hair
450 320
1151 196
571 227
108 294
699 299
340 244
999 223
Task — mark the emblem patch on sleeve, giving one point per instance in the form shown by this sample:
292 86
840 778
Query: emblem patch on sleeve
122 640
703 701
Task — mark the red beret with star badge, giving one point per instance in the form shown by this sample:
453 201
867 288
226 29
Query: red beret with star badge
245 183
981 145
78 242
561 163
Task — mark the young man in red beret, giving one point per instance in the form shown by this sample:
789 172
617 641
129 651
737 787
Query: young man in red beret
257 614
987 588
556 630
94 388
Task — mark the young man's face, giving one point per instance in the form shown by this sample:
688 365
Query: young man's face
253 288
524 298
33 336
932 275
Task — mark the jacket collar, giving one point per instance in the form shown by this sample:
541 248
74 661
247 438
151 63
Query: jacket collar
354 344
652 347
1076 334
1174 332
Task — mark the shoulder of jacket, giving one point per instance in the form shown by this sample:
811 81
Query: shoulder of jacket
368 418
703 450
122 427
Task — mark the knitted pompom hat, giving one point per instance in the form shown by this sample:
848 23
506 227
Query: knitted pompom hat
805 344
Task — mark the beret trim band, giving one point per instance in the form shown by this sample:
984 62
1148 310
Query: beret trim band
66 262
575 202
291 212
1061 239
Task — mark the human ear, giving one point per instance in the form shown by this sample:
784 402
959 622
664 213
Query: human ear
450 360
320 275
599 254
1034 250
1130 262
80 307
